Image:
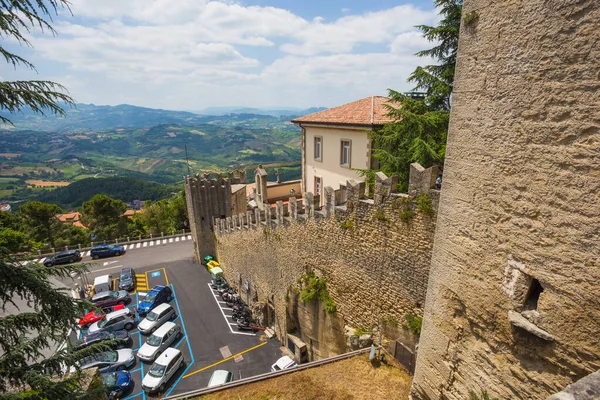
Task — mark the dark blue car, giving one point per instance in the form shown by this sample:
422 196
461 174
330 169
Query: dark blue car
160 294
107 250
117 383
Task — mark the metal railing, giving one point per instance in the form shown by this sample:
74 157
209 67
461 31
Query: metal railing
49 251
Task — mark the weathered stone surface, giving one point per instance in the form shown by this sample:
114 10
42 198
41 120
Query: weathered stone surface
521 182
587 388
521 322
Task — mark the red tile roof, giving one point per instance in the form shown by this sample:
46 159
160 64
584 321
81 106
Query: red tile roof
368 111
68 217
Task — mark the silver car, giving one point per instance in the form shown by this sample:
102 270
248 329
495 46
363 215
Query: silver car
109 361
155 318
114 321
164 337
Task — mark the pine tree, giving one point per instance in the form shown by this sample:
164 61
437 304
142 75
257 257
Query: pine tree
438 80
17 18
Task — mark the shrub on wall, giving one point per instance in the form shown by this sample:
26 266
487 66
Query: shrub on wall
315 288
413 323
424 204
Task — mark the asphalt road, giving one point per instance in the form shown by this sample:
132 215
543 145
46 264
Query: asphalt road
209 342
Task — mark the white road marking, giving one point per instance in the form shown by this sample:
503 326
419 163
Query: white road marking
152 243
177 239
108 263
189 237
137 246
142 293
107 269
164 241
224 316
87 253
182 238
42 260
145 244
170 240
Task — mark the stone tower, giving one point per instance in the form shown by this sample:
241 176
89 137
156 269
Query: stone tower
206 199
513 297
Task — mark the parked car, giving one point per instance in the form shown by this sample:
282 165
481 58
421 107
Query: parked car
106 250
110 298
64 257
122 338
155 318
159 341
114 321
109 361
127 279
162 370
220 377
284 362
158 295
94 316
117 383
103 283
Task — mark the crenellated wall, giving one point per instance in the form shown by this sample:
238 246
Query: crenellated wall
374 255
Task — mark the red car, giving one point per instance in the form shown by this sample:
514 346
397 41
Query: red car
94 316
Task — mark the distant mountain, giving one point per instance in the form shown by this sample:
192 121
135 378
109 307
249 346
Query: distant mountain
90 117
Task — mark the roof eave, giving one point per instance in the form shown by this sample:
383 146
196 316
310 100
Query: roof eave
344 124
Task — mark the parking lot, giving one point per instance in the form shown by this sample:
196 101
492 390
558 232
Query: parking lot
211 340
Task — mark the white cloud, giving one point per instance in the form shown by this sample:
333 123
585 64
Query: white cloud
190 54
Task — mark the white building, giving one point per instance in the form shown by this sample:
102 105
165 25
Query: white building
335 142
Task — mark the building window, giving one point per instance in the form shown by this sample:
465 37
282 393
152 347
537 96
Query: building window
318 147
533 295
345 153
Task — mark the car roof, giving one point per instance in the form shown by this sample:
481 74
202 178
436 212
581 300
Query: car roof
166 327
66 252
219 377
166 356
101 295
126 271
284 362
117 313
162 307
99 246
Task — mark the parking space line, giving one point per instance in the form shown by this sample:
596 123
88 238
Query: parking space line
135 370
133 396
140 341
225 316
188 343
225 359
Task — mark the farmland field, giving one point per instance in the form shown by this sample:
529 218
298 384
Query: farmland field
39 182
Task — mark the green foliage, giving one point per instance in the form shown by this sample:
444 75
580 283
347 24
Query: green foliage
470 17
413 323
380 216
369 175
314 288
424 204
483 396
12 241
406 215
119 188
104 217
417 135
42 320
347 224
17 19
41 220
391 321
361 331
438 80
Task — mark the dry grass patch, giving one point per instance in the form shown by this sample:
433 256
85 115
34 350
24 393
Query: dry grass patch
10 155
351 379
39 182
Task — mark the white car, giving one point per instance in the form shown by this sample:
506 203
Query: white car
164 337
162 370
115 321
155 318
284 362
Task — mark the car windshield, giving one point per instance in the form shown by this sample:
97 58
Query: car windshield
149 298
98 313
157 370
110 379
154 341
152 316
125 278
102 323
107 356
276 367
114 295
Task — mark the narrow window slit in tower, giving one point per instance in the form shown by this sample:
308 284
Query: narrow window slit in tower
533 295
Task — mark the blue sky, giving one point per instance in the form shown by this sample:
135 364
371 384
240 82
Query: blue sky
192 54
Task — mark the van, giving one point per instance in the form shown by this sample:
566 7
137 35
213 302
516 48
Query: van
102 284
159 341
162 370
284 362
220 377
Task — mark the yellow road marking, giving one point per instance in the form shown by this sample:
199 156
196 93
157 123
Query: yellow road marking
158 269
223 360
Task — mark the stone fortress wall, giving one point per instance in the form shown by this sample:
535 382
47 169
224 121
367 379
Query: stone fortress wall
375 264
513 298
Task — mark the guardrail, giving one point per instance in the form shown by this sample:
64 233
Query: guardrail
268 375
122 241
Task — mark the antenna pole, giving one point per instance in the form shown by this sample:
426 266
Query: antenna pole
187 161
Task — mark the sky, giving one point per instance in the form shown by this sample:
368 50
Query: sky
194 54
